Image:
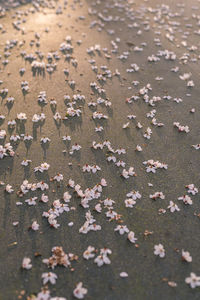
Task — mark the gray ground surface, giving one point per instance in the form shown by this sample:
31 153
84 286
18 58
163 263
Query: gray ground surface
149 275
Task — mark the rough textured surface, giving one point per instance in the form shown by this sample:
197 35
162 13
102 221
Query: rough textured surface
148 274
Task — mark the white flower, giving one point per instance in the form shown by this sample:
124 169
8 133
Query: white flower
43 295
120 163
9 189
66 138
2 134
58 177
139 125
159 250
197 146
45 140
79 292
192 189
157 195
87 168
53 223
123 274
44 198
103 182
193 280
35 226
26 162
98 208
26 263
28 137
98 128
44 166
186 256
49 277
66 197
21 116
111 158
88 253
186 200
126 125
102 259
122 229
31 201
131 237
129 202
138 148
57 116
173 207
95 168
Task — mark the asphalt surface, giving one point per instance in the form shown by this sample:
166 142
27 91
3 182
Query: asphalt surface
117 27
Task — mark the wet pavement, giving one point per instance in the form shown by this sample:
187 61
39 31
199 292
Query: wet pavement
107 68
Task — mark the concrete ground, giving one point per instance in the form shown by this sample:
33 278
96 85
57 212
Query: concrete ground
121 33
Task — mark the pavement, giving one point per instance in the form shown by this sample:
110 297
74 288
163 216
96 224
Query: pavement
145 57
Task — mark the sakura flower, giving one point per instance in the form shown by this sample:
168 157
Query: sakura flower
31 201
193 280
159 250
95 168
134 195
44 198
43 295
186 200
45 140
58 177
190 83
98 208
9 189
130 203
192 189
157 195
122 229
111 158
66 138
102 259
42 185
148 133
49 277
139 125
186 256
123 275
89 252
26 263
120 151
35 226
57 116
86 168
98 128
28 137
131 237
79 292
45 166
197 146
181 128
26 162
126 125
2 134
120 163
21 117
103 182
138 148
53 223
173 207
